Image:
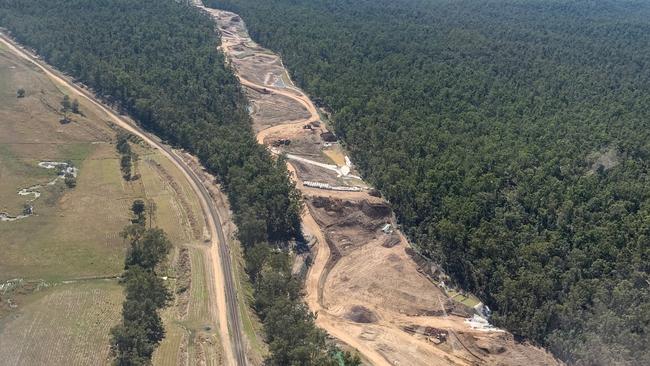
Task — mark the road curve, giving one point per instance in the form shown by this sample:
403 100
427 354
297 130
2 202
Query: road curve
230 324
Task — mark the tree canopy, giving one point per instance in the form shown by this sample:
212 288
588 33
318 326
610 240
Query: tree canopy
158 61
135 339
512 139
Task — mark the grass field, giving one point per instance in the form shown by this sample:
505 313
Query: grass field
336 155
251 322
73 231
67 324
467 299
55 318
192 338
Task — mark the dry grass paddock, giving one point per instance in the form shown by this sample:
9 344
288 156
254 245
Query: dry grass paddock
74 232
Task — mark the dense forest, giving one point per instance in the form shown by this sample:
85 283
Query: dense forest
157 60
512 137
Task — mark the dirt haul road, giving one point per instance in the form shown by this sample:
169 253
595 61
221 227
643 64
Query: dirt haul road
364 286
219 256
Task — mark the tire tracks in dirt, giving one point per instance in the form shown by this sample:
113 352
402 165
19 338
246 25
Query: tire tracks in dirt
359 336
317 271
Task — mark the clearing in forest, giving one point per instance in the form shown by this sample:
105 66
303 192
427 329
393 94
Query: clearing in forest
364 281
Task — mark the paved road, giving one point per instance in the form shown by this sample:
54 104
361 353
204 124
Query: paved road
234 323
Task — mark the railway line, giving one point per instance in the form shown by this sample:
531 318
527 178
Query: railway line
224 283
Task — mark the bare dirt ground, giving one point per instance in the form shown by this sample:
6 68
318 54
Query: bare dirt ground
269 110
364 287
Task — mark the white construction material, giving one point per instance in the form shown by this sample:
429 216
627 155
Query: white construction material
479 323
327 186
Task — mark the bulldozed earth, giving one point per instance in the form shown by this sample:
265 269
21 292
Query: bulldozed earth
364 283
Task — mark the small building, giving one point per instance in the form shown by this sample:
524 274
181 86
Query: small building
387 229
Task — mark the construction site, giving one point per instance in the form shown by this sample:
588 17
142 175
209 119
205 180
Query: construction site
368 288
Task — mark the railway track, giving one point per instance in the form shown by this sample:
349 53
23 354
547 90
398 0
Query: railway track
230 321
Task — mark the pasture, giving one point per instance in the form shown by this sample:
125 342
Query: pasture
61 309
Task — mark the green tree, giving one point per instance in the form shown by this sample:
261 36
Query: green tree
65 104
506 141
141 330
74 106
256 258
351 359
94 42
125 166
143 284
122 144
138 208
70 180
130 346
147 248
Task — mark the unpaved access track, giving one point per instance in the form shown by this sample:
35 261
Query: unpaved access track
219 255
364 286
